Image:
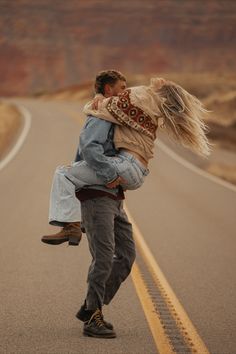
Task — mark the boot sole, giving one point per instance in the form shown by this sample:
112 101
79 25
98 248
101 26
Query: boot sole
58 242
53 242
108 335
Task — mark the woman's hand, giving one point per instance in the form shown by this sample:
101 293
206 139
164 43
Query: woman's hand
116 182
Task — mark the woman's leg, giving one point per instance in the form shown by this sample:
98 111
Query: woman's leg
64 206
81 174
130 169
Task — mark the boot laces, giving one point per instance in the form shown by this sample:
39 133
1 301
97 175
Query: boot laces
98 318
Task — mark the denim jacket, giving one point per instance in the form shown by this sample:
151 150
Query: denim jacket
96 143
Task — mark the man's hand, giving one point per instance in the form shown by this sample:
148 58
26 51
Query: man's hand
96 101
116 182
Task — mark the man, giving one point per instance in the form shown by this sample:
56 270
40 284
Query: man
111 245
108 230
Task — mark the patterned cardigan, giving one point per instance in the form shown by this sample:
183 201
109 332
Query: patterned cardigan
123 110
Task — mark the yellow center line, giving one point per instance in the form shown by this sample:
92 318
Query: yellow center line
154 322
177 310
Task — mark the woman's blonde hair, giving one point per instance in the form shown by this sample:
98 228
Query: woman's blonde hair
183 116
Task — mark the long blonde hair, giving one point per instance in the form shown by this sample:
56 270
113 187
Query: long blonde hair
183 116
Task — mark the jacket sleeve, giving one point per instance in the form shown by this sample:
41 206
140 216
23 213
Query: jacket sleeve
92 138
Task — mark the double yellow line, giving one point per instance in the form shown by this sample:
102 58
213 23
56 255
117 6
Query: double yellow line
183 322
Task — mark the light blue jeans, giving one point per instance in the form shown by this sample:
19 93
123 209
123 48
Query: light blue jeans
65 207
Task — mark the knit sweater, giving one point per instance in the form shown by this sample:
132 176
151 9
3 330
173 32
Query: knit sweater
135 113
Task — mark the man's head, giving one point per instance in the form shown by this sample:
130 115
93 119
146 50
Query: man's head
110 83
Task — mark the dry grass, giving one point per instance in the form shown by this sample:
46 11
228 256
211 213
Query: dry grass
218 92
224 171
10 122
73 93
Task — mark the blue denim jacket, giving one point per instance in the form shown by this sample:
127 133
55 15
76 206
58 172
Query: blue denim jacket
96 143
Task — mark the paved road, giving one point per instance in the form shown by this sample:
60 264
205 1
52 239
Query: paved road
187 221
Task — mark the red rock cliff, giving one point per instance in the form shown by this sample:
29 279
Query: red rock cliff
46 45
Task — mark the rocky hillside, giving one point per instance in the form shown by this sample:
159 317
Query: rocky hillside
47 45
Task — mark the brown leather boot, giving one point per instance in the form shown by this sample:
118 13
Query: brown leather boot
71 233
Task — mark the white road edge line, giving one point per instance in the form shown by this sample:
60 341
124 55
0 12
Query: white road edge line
27 124
194 168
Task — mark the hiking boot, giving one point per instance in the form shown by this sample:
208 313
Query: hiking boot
85 315
95 327
71 233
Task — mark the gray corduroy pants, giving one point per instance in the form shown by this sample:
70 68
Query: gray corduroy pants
112 248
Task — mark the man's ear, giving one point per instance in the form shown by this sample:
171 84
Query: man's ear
107 90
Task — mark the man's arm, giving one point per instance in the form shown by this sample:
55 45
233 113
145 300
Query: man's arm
92 138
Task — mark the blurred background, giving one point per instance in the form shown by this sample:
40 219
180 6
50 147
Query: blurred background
55 48
50 52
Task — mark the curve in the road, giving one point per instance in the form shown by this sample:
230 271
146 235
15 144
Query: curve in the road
26 127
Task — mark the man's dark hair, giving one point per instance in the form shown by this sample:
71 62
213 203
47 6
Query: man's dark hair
107 77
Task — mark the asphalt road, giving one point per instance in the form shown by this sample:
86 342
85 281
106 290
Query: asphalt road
187 221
